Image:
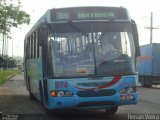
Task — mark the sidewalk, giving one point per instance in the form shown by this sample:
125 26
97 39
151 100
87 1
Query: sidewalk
14 98
13 81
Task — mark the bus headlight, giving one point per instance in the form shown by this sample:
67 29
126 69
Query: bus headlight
123 91
127 90
68 93
64 94
60 93
130 90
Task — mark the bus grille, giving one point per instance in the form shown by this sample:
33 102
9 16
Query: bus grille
93 93
99 103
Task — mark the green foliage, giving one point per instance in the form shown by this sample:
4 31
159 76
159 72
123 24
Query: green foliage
8 62
5 74
11 15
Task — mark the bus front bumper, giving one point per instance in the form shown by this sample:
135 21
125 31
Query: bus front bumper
92 102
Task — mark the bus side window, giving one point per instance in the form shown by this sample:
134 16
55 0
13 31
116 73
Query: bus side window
30 48
27 51
32 45
40 51
39 47
36 45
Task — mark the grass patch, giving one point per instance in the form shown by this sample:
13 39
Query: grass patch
5 74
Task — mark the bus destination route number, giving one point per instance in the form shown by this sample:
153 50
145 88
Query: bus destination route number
61 85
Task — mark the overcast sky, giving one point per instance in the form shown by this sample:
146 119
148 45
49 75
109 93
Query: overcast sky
139 10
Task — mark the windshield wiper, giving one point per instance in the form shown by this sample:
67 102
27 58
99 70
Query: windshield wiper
94 55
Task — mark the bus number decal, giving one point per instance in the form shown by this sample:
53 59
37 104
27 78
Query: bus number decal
61 84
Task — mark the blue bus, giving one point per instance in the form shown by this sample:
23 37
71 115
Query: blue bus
82 57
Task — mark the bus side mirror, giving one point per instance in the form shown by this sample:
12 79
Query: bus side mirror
41 36
135 38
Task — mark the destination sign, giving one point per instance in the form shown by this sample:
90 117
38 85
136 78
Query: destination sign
82 15
88 13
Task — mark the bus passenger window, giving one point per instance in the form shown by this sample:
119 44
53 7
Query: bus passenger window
40 51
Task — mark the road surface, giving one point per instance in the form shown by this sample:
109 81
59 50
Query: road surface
14 99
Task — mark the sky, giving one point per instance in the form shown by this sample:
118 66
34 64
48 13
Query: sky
139 10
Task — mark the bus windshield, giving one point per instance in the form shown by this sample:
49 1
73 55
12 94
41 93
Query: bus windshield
91 48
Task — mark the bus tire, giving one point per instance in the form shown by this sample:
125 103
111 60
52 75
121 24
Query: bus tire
31 96
112 110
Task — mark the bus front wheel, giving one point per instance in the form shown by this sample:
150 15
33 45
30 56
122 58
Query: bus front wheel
111 110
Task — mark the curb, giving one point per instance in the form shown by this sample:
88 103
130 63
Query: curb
9 78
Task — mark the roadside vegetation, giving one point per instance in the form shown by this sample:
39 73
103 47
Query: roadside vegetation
6 74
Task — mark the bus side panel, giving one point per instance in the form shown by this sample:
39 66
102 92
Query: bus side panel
35 75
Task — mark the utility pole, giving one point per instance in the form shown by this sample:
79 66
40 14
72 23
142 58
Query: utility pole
151 28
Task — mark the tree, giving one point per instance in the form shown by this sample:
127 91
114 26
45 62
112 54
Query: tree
11 15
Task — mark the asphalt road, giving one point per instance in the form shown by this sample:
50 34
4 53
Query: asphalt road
14 100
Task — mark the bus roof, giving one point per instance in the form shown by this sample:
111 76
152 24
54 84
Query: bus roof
81 14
